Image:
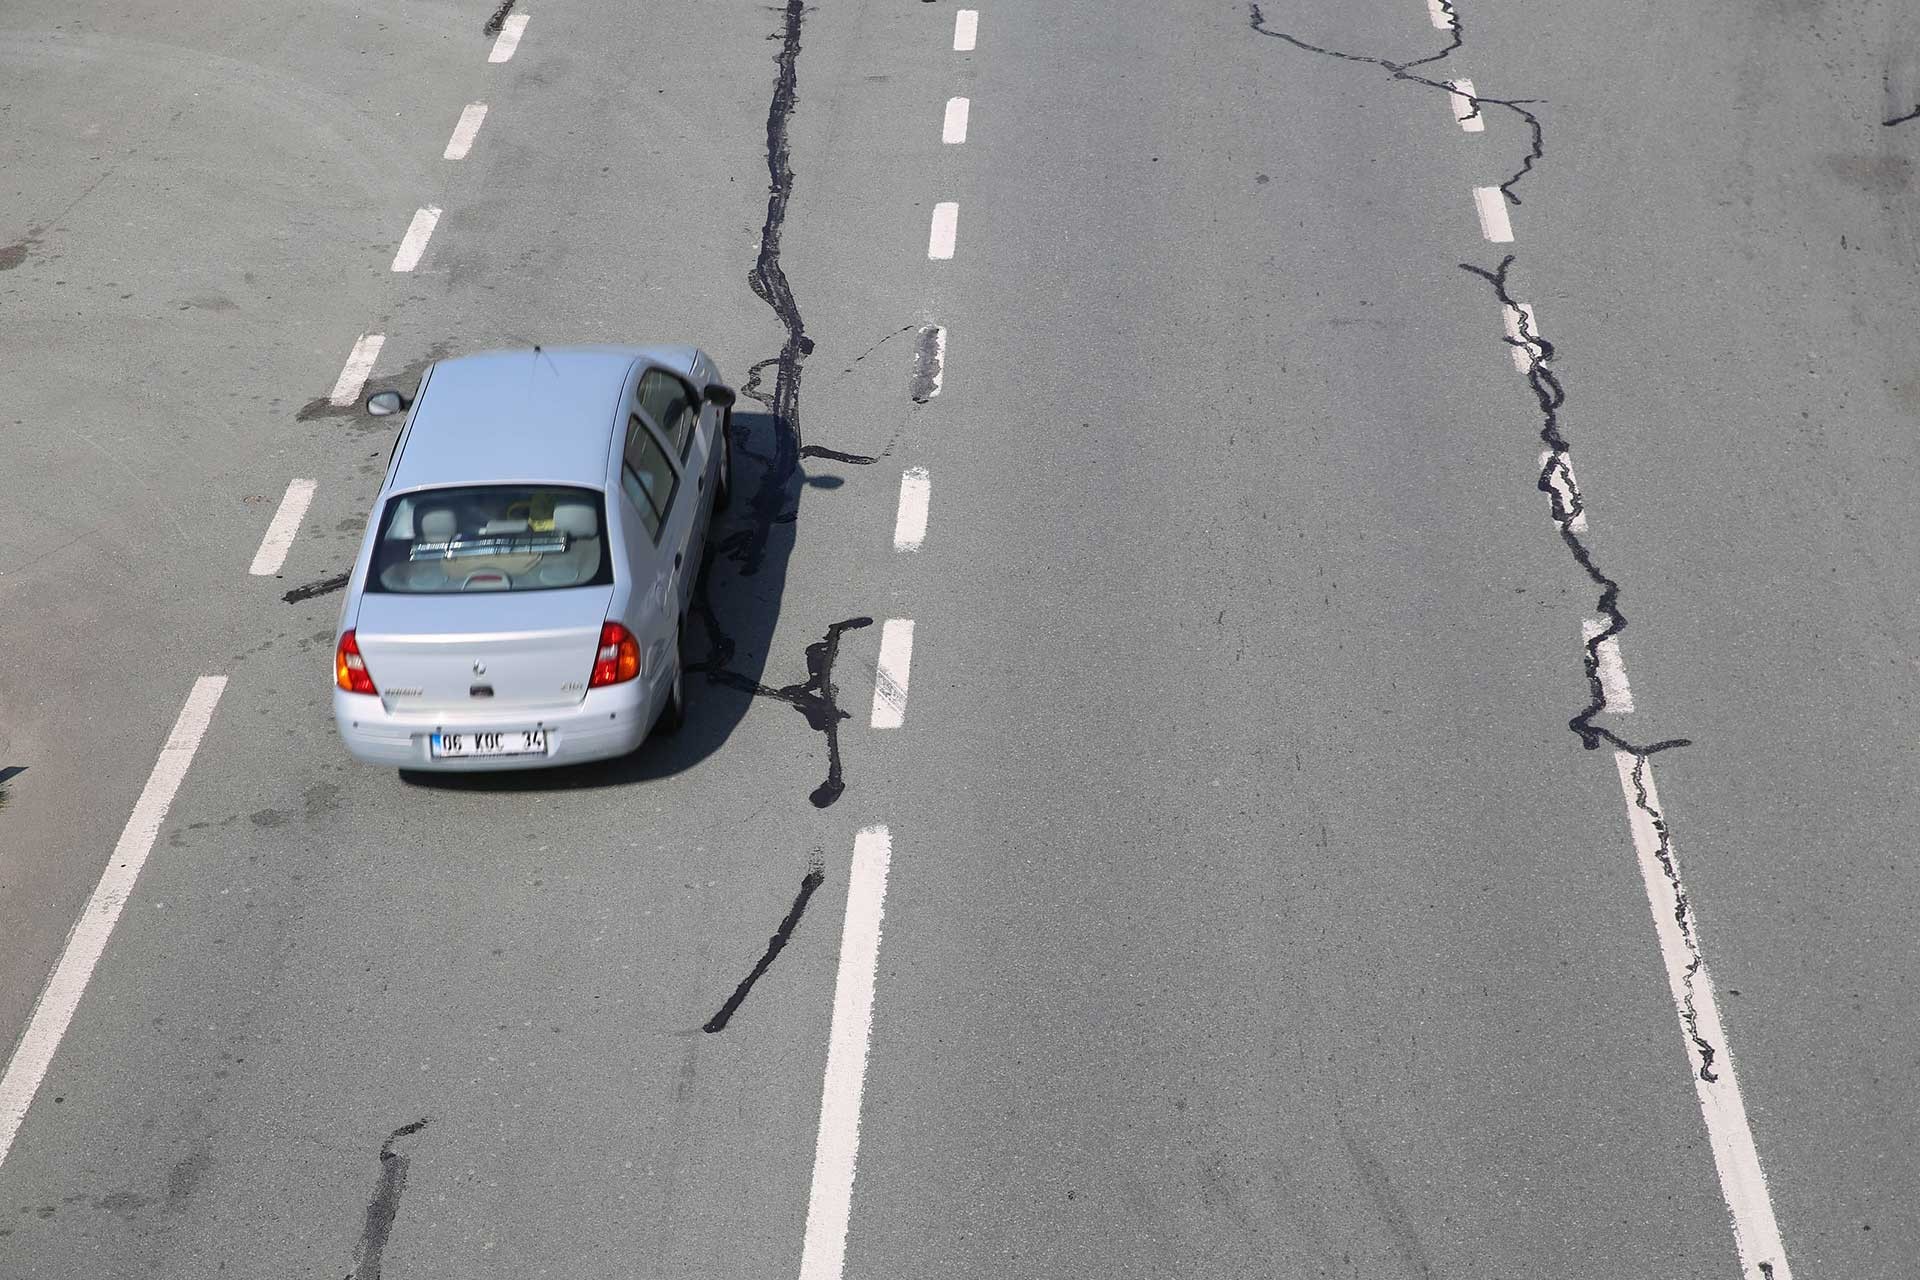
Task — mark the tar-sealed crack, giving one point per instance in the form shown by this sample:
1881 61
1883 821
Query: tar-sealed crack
816 874
1682 916
1556 473
817 698
499 18
324 586
384 1206
1911 115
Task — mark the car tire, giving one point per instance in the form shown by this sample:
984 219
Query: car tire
674 713
723 486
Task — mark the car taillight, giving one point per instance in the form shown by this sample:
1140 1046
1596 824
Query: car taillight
350 669
618 659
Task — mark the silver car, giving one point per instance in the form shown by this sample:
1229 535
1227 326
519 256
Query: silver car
521 595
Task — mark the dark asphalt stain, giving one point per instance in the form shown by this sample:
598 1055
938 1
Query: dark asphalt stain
385 1205
13 255
499 18
926 363
777 943
834 455
324 586
7 774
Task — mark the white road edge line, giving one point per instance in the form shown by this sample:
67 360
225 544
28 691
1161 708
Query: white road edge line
1520 337
1613 668
510 32
830 1201
1492 208
414 243
465 130
896 664
966 29
1437 13
946 230
61 996
353 374
954 127
1756 1236
1465 110
910 525
280 533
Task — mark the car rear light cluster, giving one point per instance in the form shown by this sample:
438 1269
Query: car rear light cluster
350 669
618 659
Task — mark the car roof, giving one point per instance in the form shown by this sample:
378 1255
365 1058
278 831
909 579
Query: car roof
504 416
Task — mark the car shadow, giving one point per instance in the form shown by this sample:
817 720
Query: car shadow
729 631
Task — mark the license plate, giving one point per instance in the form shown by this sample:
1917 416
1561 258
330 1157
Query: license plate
510 742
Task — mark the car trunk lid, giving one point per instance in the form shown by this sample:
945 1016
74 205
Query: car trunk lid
469 652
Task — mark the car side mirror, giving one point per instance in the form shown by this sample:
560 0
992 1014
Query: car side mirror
717 394
383 404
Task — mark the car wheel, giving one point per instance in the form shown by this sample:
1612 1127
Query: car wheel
674 714
723 487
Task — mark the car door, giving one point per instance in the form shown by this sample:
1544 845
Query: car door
673 405
658 514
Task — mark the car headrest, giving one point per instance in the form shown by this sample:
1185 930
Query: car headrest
438 524
576 518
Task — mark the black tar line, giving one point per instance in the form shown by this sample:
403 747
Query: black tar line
323 587
498 19
777 943
385 1205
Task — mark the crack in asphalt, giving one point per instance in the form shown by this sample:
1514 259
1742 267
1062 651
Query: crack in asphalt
816 875
1556 474
322 587
498 19
1911 115
384 1206
1551 395
1682 916
817 698
1402 71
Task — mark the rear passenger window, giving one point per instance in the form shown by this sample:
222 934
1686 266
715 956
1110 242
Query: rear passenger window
647 476
669 402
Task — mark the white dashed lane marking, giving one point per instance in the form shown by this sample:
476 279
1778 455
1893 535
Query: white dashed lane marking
280 533
966 29
1438 15
1756 1235
910 524
465 130
837 1148
1567 488
954 128
1613 668
353 374
510 32
1465 110
890 677
945 231
414 243
61 996
1492 208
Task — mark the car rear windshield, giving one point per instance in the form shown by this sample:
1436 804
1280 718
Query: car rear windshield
492 538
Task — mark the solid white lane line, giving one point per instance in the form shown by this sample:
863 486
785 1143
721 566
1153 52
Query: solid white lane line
464 131
896 663
966 29
1438 15
286 523
1613 668
1565 484
353 375
54 1010
1756 1236
414 243
910 525
1492 207
954 128
510 32
1522 329
838 1145
946 229
1465 110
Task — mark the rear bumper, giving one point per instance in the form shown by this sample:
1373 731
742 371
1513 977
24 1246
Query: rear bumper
606 723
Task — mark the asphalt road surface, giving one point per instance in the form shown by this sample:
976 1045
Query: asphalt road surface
1232 529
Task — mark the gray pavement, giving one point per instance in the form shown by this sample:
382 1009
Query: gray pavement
1254 911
